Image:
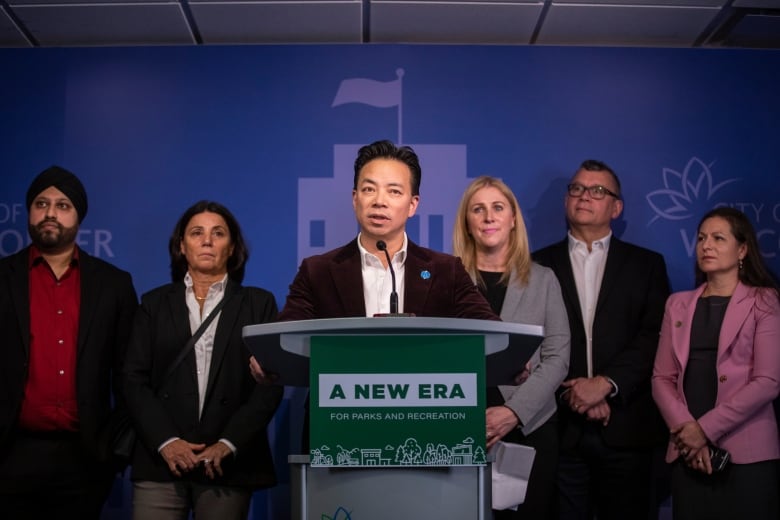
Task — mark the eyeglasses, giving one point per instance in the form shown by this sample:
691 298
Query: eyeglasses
596 192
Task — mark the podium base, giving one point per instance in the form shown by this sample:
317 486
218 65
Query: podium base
455 492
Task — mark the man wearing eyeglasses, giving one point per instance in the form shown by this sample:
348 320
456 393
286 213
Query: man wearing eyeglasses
614 294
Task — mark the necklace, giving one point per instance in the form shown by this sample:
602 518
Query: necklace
200 299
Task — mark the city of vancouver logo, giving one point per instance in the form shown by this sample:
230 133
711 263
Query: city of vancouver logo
678 199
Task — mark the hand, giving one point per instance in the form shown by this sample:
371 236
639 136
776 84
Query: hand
211 458
499 420
584 392
260 375
600 411
181 456
689 438
700 460
523 376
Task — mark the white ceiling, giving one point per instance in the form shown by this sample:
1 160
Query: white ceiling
654 23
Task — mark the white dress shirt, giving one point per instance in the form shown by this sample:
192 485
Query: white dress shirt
204 347
588 267
377 281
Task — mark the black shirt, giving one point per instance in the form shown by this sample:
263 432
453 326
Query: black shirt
701 379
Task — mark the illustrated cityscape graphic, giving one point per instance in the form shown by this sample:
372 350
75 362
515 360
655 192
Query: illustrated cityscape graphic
409 453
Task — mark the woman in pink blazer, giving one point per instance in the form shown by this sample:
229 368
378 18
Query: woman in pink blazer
716 374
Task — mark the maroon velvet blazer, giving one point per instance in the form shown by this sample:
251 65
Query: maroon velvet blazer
331 286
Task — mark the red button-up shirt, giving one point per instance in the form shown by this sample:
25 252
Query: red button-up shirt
49 402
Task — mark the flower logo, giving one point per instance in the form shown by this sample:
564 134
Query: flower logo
337 515
682 190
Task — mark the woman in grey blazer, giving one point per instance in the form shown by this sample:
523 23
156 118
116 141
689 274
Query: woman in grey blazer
491 240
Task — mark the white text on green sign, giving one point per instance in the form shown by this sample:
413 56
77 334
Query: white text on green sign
397 390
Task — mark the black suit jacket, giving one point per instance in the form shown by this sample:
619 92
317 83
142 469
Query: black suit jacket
626 329
108 302
236 407
331 286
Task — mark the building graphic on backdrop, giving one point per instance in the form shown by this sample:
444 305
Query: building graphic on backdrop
325 216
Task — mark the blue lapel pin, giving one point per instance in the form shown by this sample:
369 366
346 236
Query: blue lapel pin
425 275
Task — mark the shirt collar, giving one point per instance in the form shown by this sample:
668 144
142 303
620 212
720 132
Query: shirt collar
575 243
398 259
218 286
36 257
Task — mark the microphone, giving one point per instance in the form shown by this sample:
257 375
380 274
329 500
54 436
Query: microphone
393 295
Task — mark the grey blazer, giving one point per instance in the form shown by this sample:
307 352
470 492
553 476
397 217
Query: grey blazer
538 303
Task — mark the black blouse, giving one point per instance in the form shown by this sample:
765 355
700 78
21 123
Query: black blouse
494 291
701 379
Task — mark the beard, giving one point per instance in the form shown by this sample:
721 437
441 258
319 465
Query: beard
49 240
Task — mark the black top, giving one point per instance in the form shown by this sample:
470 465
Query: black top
701 378
494 291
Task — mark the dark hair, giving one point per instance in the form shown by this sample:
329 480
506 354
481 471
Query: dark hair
754 271
387 150
592 165
237 261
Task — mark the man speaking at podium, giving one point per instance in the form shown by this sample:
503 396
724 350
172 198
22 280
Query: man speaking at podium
382 271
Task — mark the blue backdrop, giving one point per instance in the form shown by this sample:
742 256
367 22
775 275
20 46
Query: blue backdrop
271 131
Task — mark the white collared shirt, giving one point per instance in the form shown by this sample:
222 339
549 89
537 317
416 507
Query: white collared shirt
588 267
204 347
377 281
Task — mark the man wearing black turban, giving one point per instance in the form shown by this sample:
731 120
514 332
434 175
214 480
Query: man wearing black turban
65 317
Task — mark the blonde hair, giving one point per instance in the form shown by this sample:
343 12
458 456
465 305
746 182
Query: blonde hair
464 245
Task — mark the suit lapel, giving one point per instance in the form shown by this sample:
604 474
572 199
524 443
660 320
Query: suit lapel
347 276
612 270
180 314
19 283
514 294
416 286
90 298
742 301
180 320
562 267
681 316
234 298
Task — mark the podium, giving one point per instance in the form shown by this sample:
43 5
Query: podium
397 410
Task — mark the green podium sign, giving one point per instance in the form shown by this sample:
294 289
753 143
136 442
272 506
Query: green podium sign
397 400
396 403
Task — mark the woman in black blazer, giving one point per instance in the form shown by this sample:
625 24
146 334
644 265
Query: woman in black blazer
200 416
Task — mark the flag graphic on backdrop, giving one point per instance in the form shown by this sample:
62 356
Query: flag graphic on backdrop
380 94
